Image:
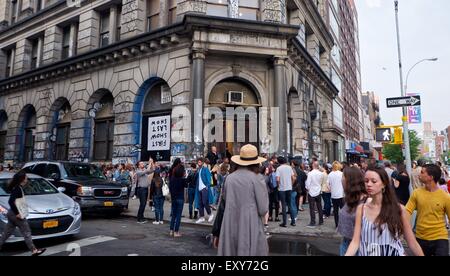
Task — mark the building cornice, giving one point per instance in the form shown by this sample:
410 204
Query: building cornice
318 21
144 43
307 63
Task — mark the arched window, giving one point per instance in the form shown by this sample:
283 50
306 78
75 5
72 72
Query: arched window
236 93
3 132
27 130
157 110
104 128
61 129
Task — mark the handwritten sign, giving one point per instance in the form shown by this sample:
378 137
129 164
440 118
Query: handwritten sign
158 133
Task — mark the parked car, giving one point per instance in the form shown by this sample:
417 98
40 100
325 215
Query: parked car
85 183
51 212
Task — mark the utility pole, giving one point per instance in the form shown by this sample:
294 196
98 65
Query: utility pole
405 109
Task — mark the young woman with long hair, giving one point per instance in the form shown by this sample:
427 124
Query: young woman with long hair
355 194
15 218
382 221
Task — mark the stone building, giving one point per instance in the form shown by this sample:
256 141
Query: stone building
109 80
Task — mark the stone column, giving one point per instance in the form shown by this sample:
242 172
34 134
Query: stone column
198 92
88 31
73 39
190 6
281 101
23 56
40 51
3 60
5 14
312 42
274 11
133 18
52 45
27 8
80 136
112 24
163 13
325 63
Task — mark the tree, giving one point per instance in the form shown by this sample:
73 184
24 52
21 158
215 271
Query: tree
394 153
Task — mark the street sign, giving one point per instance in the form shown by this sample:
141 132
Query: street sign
384 135
403 101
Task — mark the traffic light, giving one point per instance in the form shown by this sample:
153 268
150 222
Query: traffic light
398 136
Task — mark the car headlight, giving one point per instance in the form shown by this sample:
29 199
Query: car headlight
124 190
76 209
3 213
85 191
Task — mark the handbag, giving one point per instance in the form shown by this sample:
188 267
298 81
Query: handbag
165 189
22 206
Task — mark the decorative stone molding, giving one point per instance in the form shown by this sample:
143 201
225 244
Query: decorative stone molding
190 6
274 11
133 18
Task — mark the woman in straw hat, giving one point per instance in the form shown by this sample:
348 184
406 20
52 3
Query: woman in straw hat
245 202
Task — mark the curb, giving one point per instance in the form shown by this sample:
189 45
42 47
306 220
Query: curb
273 233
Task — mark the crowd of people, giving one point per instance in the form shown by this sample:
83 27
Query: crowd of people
371 204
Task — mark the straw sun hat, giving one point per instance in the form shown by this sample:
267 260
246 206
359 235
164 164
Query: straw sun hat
248 156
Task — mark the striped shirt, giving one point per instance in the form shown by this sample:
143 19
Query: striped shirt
375 244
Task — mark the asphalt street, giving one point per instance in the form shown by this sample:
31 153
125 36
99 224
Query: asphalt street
122 236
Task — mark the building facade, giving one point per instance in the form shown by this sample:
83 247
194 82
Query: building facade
123 80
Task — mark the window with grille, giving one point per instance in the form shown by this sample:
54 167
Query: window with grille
103 139
104 28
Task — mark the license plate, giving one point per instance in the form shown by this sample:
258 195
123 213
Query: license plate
108 204
50 224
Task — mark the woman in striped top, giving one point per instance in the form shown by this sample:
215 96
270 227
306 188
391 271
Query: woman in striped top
382 221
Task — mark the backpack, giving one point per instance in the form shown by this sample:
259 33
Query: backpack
273 181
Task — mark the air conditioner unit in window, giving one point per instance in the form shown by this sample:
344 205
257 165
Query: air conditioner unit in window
235 97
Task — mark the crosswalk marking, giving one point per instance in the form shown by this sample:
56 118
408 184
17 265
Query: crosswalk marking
74 247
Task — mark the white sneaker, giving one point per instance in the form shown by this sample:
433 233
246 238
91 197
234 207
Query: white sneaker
201 220
211 217
161 222
156 222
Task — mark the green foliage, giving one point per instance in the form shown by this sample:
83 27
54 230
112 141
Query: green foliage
394 153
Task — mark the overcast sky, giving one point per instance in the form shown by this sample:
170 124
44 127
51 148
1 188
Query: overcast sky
425 33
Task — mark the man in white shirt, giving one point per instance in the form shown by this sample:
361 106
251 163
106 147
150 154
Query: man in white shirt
337 190
314 188
285 177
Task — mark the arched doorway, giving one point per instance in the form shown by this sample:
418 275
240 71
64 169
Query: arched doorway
60 129
3 133
239 104
156 120
102 112
27 132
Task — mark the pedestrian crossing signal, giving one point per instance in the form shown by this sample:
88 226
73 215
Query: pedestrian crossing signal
398 136
384 135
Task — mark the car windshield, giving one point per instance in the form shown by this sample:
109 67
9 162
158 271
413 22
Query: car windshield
83 170
35 186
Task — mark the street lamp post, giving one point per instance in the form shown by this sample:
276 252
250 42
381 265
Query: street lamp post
414 66
404 91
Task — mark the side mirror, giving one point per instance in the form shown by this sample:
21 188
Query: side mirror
55 176
61 189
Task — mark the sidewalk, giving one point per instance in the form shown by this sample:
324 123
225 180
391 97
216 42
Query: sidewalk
325 231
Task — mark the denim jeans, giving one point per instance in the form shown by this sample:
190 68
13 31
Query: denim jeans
338 204
344 246
177 210
434 248
293 207
204 203
313 201
285 198
191 198
326 204
142 194
159 207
